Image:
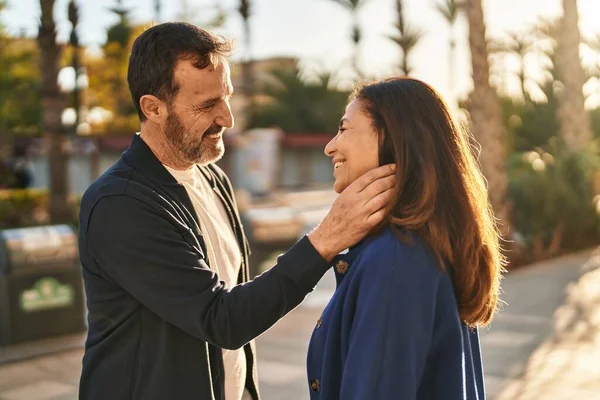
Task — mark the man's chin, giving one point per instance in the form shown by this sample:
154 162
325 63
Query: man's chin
210 157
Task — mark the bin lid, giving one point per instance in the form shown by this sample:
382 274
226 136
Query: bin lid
38 246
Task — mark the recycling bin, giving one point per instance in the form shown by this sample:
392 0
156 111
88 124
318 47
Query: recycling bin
41 289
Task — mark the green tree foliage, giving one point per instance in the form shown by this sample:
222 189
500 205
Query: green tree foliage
121 31
552 195
297 106
532 123
20 107
108 78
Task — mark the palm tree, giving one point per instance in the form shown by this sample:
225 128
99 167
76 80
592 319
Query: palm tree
519 44
594 69
298 106
574 121
407 38
52 105
486 115
450 9
157 9
354 6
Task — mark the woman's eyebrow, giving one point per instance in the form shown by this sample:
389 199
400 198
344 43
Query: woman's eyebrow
343 120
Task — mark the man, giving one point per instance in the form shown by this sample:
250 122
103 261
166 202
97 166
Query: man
171 312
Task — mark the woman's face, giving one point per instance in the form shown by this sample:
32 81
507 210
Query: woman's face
355 149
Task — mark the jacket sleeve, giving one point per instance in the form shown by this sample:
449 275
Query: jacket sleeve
392 329
137 248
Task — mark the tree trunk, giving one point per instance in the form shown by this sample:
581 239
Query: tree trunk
574 120
486 116
356 36
451 69
52 105
404 66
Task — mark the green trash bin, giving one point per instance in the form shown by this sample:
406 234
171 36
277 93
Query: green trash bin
41 290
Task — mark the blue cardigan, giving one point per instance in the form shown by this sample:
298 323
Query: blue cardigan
392 329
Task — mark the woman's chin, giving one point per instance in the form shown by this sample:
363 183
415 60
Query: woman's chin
339 187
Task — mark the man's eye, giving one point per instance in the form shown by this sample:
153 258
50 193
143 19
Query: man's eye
341 130
205 107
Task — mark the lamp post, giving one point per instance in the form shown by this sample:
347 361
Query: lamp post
74 42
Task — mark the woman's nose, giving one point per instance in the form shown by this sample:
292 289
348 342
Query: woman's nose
330 148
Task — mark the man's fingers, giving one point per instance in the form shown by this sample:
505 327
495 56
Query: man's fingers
373 175
379 186
379 202
376 218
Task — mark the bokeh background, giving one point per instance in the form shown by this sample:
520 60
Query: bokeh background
522 75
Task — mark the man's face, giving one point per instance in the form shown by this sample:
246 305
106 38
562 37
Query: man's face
199 113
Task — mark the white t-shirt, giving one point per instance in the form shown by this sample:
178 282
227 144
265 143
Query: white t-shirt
224 256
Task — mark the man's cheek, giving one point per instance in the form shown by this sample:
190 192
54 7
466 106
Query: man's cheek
199 126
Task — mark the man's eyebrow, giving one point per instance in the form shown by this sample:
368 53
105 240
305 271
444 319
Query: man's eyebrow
205 103
212 100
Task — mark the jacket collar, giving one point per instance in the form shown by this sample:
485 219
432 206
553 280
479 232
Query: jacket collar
141 157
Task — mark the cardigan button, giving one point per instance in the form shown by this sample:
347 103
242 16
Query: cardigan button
315 385
341 266
319 321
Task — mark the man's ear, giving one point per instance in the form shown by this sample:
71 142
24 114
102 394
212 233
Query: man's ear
153 108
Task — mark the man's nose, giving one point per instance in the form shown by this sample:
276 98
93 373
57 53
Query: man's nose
225 118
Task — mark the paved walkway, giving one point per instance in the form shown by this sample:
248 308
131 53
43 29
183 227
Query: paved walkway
528 352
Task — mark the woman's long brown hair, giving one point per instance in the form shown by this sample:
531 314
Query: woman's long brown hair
441 194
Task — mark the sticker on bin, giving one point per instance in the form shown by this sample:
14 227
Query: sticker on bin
46 293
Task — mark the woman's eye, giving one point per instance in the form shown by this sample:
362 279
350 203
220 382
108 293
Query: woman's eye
341 130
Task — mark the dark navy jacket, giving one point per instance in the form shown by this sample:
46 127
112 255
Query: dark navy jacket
392 330
158 315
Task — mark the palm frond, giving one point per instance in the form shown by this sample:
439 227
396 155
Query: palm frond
351 5
449 9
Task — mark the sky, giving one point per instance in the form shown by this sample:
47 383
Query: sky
318 31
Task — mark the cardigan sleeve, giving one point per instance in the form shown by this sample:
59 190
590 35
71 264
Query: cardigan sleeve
392 327
148 257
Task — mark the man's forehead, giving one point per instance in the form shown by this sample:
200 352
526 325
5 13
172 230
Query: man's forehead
209 79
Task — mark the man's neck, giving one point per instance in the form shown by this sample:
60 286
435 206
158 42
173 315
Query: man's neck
157 143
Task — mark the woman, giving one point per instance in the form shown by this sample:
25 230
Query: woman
403 321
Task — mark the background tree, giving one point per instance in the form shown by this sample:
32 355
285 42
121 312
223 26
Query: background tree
52 106
108 77
594 69
486 115
353 6
297 106
574 120
519 45
20 84
449 10
406 37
